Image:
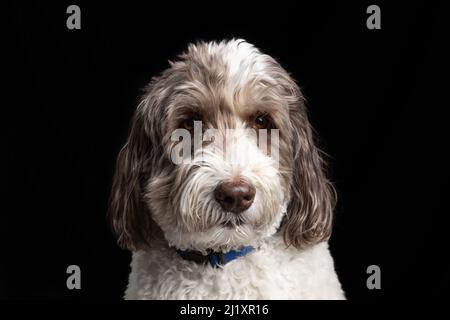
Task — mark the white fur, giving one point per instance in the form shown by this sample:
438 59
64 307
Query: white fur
271 272
200 215
188 214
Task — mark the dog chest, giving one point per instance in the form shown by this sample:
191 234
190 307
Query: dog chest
271 272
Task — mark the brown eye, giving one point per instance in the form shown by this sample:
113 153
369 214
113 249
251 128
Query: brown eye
188 122
263 122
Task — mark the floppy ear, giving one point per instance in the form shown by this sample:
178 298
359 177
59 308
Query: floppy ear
309 213
129 217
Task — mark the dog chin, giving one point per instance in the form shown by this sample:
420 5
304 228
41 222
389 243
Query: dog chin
233 223
219 238
226 235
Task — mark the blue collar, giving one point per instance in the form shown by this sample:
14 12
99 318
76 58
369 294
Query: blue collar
216 259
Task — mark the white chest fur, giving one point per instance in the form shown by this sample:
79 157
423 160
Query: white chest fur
271 272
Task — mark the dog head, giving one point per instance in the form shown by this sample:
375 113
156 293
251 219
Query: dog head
230 189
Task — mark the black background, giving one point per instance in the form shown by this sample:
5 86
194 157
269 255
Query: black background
377 99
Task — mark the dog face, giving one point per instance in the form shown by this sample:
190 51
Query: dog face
254 170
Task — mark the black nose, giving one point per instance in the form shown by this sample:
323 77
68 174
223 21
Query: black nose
235 196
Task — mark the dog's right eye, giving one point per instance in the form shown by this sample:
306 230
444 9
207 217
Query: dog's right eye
188 122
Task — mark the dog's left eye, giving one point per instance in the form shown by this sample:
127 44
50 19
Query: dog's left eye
263 122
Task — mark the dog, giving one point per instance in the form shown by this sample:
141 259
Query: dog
236 222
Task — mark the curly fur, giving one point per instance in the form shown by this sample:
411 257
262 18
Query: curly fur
158 205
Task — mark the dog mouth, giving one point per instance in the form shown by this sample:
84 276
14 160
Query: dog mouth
233 222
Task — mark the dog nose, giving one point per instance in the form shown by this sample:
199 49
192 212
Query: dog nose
235 196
